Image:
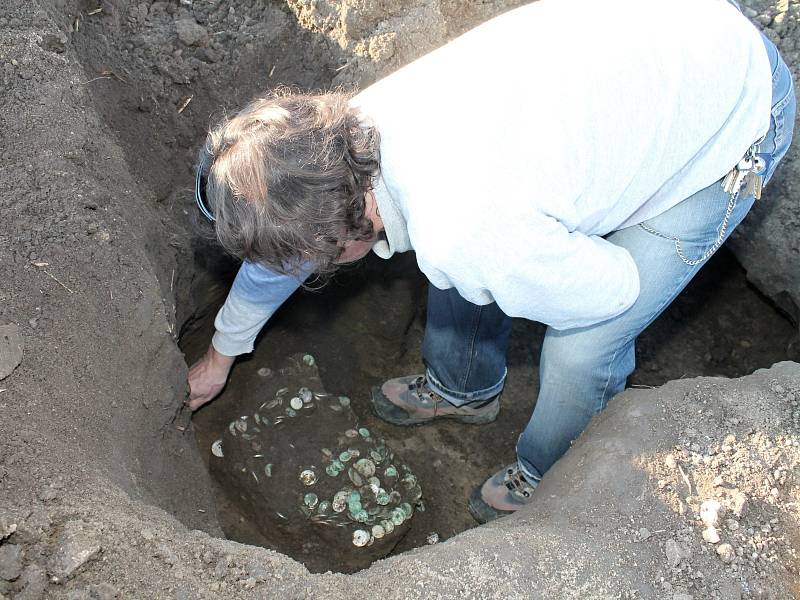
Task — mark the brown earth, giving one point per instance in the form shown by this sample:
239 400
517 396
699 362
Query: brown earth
103 492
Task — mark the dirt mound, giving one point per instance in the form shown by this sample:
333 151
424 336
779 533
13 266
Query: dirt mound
103 491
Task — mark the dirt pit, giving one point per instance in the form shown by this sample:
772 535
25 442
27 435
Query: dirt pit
159 85
367 326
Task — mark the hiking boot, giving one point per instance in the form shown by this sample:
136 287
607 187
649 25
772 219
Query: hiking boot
502 494
410 401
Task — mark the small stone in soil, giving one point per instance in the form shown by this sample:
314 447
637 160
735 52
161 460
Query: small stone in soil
77 545
726 553
739 504
191 33
34 579
10 349
709 512
710 535
10 561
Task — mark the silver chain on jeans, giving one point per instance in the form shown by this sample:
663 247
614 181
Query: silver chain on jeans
723 228
746 171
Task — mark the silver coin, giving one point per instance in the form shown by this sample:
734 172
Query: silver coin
308 477
361 538
344 400
268 470
339 503
378 531
306 395
365 467
351 433
216 449
309 360
296 403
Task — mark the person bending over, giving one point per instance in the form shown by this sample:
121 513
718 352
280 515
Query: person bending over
553 164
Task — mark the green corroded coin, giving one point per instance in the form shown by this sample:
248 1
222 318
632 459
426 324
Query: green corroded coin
332 470
291 412
390 471
323 506
361 516
376 456
344 400
398 516
388 526
345 456
310 500
363 432
382 498
338 464
407 510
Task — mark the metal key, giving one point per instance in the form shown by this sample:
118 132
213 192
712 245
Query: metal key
755 183
741 172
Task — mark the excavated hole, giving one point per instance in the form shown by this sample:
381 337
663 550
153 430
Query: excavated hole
367 324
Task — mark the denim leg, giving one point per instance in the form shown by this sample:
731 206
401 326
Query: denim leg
464 347
582 369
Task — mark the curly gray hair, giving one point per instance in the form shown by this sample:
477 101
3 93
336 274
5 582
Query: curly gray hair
286 179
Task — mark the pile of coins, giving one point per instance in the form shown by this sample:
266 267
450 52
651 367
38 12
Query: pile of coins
301 463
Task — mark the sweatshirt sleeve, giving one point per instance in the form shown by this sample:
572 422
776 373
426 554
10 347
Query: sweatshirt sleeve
562 278
255 295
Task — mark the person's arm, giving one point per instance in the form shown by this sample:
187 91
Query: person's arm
254 297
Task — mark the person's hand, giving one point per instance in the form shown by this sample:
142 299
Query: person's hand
207 377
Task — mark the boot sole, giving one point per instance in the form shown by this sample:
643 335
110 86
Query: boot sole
482 512
395 415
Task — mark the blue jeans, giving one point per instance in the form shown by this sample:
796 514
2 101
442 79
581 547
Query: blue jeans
580 370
